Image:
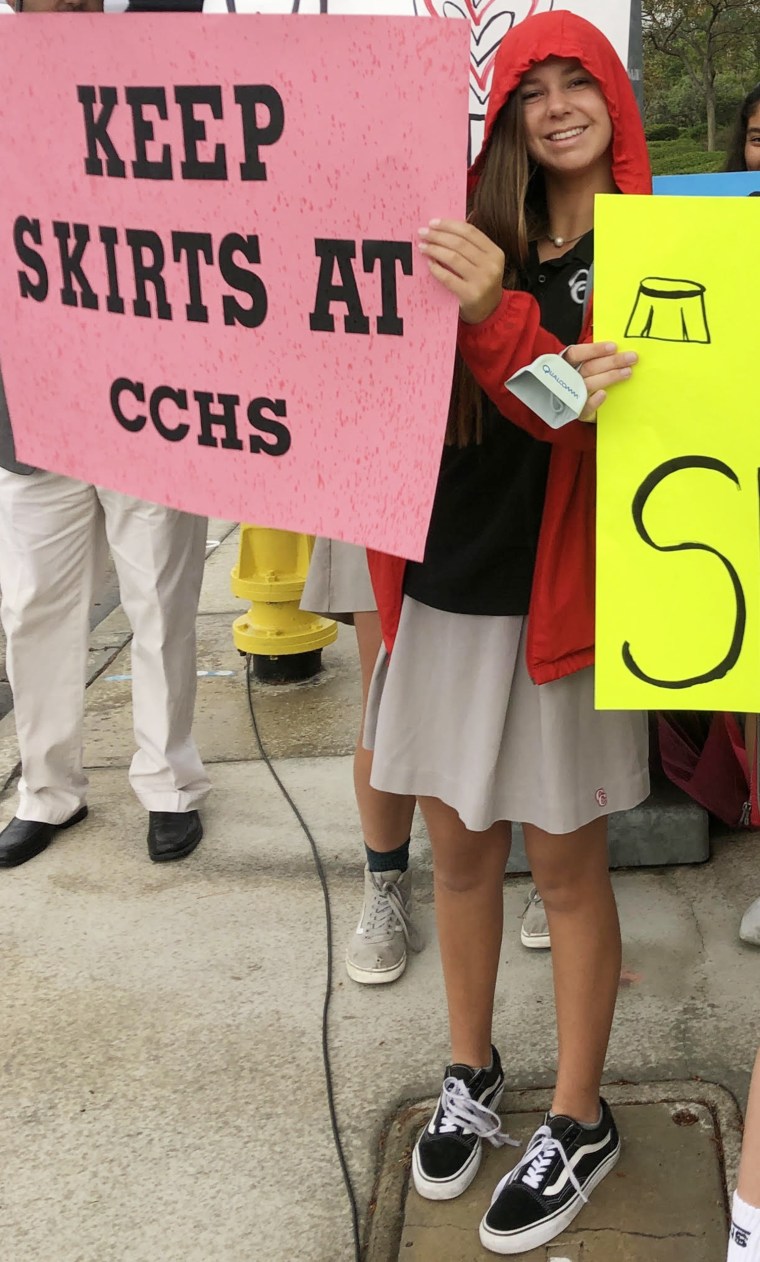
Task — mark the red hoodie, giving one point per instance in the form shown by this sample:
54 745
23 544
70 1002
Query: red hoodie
561 616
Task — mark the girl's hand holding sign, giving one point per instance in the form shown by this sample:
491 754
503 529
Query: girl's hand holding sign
463 259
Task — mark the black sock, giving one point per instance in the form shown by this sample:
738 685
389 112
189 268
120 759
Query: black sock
391 861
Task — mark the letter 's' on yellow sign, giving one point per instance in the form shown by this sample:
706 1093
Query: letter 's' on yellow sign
678 515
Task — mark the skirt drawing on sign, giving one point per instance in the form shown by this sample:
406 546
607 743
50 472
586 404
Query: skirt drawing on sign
669 310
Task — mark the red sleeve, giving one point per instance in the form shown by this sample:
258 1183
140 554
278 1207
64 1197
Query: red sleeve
387 575
508 340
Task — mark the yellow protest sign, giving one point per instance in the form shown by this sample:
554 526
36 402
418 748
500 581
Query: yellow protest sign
678 518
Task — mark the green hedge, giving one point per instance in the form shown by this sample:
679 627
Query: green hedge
682 144
684 154
663 131
686 162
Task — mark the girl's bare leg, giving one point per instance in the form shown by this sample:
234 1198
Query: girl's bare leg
469 903
744 1244
377 950
572 876
749 1170
386 818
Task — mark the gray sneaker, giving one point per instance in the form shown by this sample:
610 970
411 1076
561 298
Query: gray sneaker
534 933
749 930
376 952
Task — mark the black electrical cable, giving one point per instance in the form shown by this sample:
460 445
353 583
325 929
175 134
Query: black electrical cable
328 989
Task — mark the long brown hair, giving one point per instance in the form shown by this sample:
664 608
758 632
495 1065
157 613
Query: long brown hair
509 206
736 159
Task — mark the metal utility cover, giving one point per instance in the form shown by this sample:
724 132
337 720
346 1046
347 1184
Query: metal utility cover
666 1201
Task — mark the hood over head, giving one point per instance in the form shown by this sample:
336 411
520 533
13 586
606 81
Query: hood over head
563 34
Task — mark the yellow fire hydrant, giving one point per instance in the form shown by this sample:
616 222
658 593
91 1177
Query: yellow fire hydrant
284 641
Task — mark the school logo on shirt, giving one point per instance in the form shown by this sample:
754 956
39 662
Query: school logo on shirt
601 797
740 1236
578 283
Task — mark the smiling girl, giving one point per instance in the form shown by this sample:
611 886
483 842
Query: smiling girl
484 709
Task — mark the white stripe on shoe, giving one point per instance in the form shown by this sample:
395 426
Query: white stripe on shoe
564 1178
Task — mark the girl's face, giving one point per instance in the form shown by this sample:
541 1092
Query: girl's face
567 123
752 141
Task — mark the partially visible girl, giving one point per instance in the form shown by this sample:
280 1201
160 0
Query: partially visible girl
744 149
744 155
744 1244
338 586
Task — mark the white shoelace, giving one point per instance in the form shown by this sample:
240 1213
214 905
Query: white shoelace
460 1111
387 910
534 899
542 1150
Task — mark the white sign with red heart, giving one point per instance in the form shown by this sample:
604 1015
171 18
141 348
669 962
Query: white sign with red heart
489 22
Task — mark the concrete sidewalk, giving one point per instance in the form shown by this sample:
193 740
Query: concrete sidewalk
162 1082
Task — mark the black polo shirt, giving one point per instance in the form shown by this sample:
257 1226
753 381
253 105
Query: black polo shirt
481 546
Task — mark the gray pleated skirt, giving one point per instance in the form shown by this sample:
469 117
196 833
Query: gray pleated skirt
453 714
338 582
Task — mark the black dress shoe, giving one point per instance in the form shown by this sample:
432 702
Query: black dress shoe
173 834
22 839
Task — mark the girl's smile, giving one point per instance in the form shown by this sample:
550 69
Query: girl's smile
564 137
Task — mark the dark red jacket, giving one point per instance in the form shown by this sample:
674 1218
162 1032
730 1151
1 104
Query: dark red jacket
561 616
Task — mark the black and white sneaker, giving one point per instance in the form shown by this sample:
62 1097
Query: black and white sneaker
549 1186
447 1154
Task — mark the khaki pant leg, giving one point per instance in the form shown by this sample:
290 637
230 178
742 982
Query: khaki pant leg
159 555
51 558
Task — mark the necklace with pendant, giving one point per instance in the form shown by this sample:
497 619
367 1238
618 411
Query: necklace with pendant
560 241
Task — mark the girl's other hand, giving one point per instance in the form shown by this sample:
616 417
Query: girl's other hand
463 259
601 365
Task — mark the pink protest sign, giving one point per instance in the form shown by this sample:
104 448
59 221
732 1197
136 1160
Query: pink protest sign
210 286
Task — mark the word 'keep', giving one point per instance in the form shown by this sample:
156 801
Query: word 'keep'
262 120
